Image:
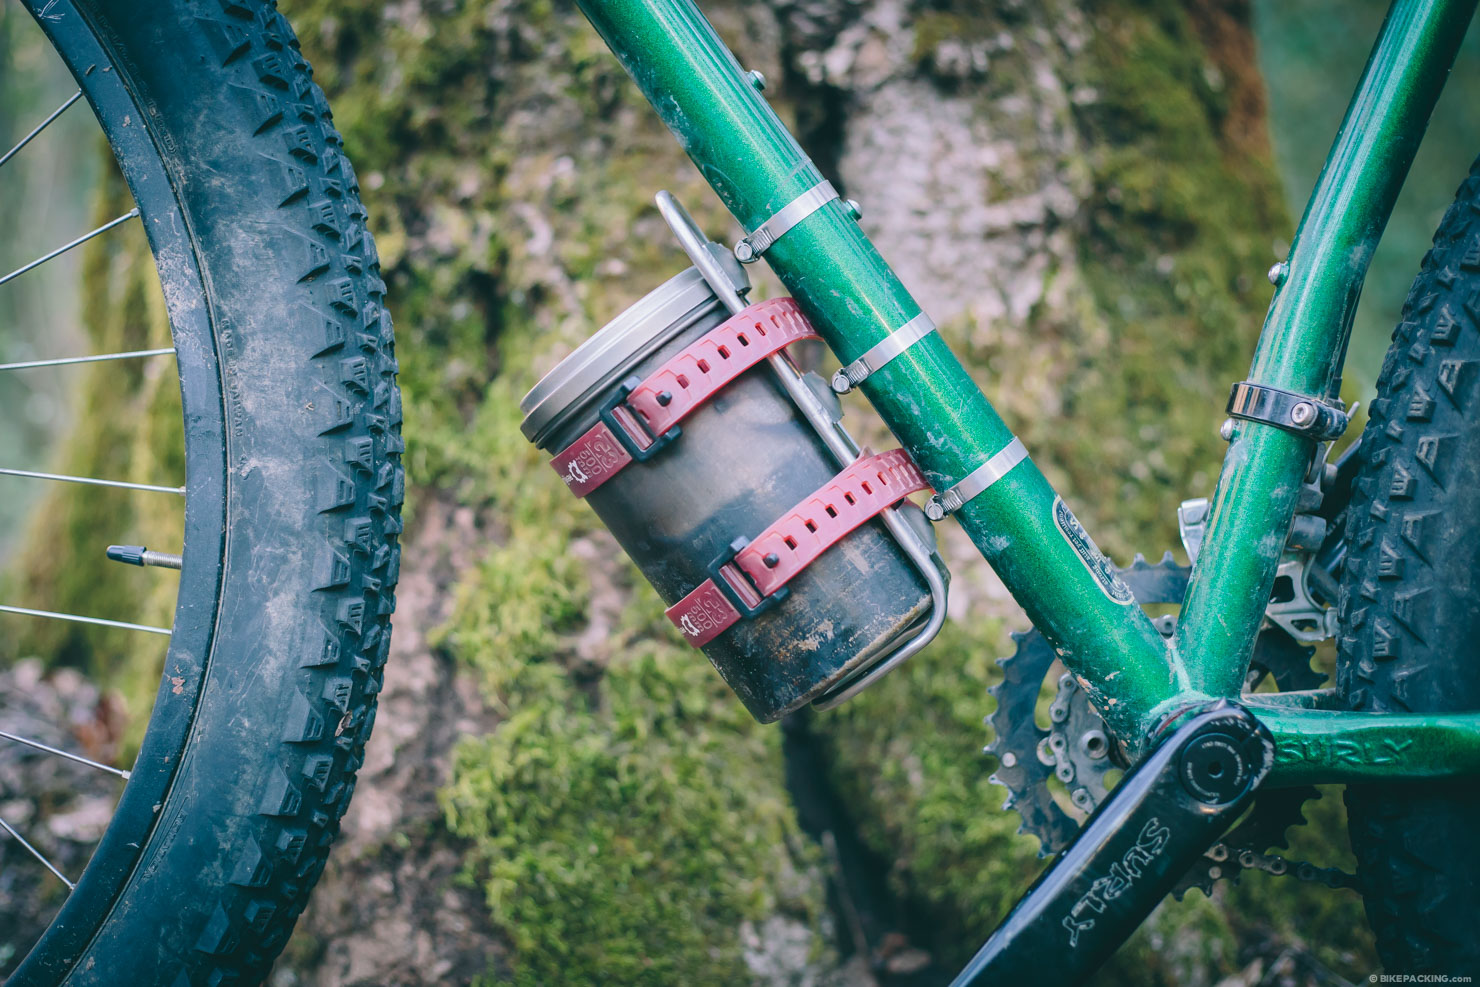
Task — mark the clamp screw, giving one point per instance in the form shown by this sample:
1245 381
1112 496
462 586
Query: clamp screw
665 398
854 209
935 510
1225 431
1303 413
744 252
756 79
1277 273
772 560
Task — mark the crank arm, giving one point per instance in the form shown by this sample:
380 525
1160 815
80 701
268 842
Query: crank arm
1161 817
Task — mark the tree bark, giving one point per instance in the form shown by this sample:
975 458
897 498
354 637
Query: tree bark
1078 191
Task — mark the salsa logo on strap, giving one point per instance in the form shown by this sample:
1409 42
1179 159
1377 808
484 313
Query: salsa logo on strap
1084 547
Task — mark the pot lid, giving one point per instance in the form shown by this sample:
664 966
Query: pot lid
603 359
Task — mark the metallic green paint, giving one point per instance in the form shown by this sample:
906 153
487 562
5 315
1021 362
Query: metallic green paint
1315 746
1305 334
944 421
854 299
1307 699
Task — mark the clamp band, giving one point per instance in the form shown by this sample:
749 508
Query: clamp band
643 416
752 575
750 248
881 353
1295 413
979 479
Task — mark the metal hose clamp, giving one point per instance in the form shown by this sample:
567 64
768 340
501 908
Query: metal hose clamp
938 507
882 352
750 248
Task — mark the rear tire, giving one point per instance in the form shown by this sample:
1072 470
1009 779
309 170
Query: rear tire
274 699
1410 604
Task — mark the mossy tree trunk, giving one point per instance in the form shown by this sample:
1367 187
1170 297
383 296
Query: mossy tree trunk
1079 192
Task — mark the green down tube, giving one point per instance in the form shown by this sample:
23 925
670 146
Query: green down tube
925 396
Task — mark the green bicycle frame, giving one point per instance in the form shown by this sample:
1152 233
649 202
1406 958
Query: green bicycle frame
1138 680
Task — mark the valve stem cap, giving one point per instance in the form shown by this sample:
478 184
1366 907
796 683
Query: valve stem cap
128 554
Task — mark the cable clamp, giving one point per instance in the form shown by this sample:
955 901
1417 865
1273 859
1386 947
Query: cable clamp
937 508
750 248
882 352
1298 414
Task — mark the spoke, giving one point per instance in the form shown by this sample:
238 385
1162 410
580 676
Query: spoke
93 481
67 360
63 249
79 619
67 754
36 853
44 124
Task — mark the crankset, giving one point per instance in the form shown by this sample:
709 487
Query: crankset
1075 751
1132 851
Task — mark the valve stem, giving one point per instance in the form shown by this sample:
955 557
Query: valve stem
139 555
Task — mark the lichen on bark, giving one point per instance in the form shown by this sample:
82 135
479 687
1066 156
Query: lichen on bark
1079 193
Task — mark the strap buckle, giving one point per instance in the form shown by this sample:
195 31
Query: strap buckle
738 587
628 427
1295 413
641 417
750 577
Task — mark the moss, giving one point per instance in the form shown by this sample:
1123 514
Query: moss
627 819
1183 220
1183 212
1186 218
626 823
128 426
953 22
920 791
604 840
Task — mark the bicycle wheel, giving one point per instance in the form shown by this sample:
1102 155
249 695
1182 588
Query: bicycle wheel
292 493
1410 604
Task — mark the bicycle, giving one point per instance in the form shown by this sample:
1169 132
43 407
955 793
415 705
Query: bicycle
1160 699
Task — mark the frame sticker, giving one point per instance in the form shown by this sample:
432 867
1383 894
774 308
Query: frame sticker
1094 560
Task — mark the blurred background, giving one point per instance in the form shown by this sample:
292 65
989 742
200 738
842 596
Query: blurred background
1084 194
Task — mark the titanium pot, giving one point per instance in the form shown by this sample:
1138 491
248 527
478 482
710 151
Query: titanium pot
741 459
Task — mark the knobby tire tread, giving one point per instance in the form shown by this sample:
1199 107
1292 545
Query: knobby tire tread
315 488
1410 604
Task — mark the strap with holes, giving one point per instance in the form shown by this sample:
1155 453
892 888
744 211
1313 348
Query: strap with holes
752 574
646 413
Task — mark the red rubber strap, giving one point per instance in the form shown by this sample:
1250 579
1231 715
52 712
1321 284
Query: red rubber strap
692 376
591 460
796 539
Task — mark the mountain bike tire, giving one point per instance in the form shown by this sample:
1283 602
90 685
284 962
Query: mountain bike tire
293 492
1410 604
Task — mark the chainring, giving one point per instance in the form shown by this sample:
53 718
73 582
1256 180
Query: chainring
1075 747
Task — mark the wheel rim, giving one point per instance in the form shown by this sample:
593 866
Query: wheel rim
116 854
